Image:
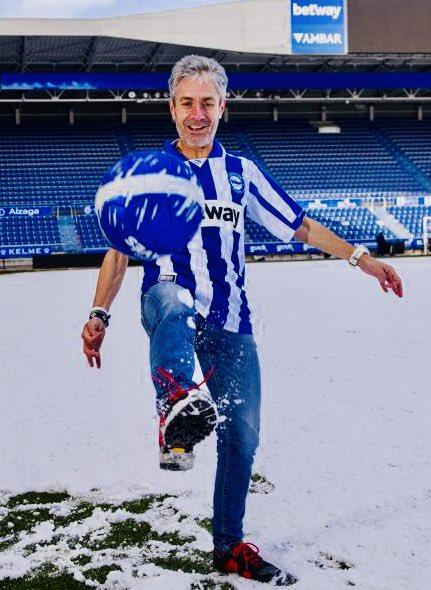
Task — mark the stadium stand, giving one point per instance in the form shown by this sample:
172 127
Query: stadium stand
89 233
62 165
42 231
350 223
413 139
354 161
54 165
411 216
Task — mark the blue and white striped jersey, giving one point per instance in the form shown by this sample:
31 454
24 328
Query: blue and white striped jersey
212 267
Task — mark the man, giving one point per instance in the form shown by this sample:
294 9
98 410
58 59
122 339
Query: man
196 302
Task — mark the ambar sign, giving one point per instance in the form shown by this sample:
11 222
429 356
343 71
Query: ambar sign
319 27
318 38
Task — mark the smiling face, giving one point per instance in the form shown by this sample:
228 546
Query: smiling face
196 109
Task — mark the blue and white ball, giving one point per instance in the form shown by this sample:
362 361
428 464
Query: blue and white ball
149 204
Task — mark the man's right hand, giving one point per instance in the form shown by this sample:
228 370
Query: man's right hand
93 335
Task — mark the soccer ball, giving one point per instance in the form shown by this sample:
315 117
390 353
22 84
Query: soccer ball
149 204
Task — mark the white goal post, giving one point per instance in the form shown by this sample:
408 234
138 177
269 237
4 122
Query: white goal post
426 232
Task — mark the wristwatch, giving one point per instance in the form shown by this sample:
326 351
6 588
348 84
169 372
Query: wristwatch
354 258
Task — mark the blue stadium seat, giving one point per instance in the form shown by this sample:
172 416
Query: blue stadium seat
40 231
62 165
411 216
89 233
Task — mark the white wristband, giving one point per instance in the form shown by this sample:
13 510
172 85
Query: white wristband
358 252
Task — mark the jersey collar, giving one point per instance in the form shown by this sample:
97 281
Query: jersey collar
217 151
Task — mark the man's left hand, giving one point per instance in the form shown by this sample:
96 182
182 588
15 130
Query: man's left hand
384 273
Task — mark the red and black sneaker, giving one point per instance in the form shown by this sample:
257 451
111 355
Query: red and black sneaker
188 416
244 559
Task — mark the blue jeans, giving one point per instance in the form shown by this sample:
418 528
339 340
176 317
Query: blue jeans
235 387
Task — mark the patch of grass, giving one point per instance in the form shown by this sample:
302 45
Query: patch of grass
175 554
81 559
131 533
326 560
138 506
46 578
122 534
28 519
260 485
173 538
198 563
205 523
22 520
211 585
343 565
82 511
37 498
141 505
6 545
100 574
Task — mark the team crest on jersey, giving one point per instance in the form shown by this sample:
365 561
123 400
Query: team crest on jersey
236 181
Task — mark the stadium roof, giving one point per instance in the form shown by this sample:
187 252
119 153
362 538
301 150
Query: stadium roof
257 26
94 53
247 34
98 53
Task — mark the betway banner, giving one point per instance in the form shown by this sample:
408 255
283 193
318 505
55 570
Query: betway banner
25 211
318 27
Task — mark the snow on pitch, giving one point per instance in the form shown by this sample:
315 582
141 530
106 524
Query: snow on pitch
346 416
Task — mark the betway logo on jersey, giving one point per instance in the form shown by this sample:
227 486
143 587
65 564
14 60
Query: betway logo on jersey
318 38
316 10
223 214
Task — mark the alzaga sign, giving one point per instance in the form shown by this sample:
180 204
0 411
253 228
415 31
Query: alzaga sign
319 27
25 211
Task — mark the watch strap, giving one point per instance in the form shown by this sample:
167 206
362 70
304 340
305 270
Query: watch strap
100 313
356 254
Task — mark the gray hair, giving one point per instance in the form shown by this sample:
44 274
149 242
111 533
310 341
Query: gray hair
196 65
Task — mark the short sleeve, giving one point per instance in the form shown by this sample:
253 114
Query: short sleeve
270 206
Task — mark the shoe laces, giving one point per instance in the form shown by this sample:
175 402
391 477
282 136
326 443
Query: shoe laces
249 553
173 388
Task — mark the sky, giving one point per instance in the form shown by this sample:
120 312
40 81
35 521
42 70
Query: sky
91 8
